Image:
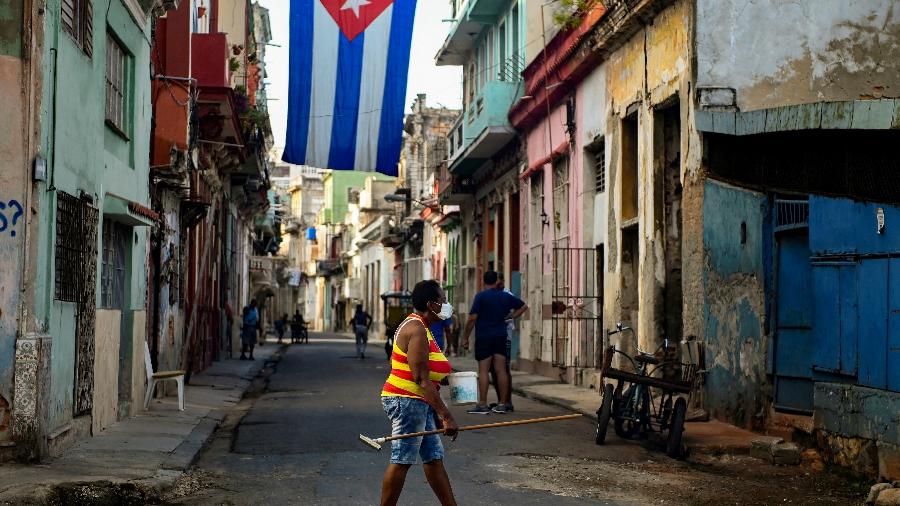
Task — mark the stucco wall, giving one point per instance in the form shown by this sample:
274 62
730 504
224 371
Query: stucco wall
734 303
808 50
13 218
649 72
106 369
89 157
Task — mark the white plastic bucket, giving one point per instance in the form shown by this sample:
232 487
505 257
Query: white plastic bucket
463 388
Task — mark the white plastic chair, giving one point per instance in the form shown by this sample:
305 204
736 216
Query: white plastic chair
155 377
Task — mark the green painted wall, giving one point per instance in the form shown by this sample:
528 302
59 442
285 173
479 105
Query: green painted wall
88 156
336 184
11 27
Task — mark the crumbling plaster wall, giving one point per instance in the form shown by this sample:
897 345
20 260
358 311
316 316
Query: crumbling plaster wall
809 51
651 70
734 303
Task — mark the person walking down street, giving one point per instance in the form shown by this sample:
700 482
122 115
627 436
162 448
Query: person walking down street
411 400
298 328
279 327
510 328
360 324
249 327
490 310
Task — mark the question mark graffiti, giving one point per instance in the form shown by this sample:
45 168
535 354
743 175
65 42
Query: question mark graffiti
16 216
4 223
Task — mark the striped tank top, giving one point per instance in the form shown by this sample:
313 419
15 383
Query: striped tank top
400 382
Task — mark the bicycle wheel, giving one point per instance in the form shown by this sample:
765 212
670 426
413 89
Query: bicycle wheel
603 414
676 429
633 418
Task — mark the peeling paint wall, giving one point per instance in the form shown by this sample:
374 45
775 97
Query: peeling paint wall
12 193
648 72
809 51
734 304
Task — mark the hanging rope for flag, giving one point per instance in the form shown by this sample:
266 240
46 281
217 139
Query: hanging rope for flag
349 61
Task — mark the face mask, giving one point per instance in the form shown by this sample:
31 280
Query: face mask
446 311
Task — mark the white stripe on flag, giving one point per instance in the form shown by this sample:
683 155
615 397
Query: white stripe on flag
324 75
371 92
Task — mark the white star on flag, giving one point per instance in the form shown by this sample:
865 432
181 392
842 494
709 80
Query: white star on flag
355 5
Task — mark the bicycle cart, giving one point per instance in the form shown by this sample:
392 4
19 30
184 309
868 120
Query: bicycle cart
397 306
651 397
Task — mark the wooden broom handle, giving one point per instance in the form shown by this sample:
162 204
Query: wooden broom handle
487 426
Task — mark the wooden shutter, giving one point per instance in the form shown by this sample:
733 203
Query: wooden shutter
69 16
88 27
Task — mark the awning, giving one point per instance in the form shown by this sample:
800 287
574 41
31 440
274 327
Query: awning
129 213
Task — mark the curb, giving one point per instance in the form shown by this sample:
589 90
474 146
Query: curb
143 490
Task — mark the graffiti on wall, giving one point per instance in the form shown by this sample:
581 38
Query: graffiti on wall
10 212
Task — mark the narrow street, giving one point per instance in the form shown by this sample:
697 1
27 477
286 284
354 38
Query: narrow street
294 441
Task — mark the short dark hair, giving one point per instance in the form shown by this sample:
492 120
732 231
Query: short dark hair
425 292
490 278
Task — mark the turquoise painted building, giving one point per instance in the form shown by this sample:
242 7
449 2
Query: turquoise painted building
91 218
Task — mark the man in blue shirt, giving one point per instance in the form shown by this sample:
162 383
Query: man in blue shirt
438 330
488 317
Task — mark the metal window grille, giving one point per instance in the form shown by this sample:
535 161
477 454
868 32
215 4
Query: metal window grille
116 63
600 170
112 278
791 214
75 220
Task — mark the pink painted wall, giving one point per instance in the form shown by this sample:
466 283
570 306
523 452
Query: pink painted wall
540 142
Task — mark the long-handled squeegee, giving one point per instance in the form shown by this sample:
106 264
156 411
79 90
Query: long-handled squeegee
377 442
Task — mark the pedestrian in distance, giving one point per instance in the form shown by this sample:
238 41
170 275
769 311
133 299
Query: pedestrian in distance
488 315
360 324
298 328
411 400
249 328
510 328
279 327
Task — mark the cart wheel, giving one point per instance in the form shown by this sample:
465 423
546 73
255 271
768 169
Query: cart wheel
676 429
604 413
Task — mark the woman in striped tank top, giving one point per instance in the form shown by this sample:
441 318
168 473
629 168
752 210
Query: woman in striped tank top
411 400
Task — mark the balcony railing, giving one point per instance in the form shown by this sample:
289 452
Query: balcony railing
484 122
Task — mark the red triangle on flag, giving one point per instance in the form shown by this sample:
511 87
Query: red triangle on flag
345 12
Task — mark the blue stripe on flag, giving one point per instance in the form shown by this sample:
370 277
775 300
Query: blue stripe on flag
393 105
300 81
342 155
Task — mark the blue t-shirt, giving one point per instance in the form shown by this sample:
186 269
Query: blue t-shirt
251 318
437 331
492 307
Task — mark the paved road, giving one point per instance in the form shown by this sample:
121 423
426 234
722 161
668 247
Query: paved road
296 443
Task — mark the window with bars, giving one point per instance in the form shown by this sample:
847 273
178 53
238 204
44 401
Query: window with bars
597 160
77 18
76 221
116 85
112 277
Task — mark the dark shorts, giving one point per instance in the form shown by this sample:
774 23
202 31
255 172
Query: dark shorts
485 347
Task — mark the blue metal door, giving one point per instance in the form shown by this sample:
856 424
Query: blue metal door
794 340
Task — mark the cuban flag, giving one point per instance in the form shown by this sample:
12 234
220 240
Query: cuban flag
349 62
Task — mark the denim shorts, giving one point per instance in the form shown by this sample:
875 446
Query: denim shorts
409 415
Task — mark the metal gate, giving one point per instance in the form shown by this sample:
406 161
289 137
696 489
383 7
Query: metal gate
577 306
76 271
